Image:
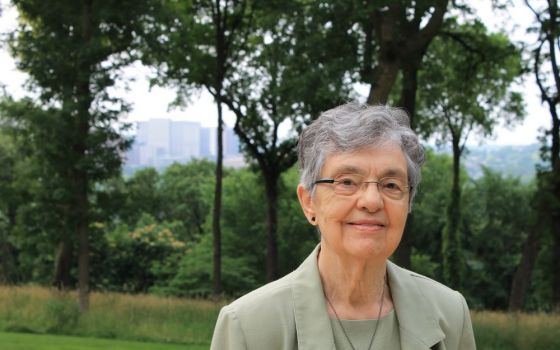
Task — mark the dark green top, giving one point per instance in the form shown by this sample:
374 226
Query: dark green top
360 331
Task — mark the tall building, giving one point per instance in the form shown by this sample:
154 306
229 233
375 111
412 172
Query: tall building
231 143
185 140
161 142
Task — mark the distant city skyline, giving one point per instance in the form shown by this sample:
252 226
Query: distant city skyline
160 142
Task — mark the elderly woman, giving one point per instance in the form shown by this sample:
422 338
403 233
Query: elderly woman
360 167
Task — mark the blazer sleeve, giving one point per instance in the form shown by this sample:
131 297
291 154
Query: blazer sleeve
466 341
228 334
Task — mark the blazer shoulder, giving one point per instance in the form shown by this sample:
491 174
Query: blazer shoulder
427 284
445 301
270 305
264 316
278 291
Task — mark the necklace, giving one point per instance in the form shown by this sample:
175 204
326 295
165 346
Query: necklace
376 323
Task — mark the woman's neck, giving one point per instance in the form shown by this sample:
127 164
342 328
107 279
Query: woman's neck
354 286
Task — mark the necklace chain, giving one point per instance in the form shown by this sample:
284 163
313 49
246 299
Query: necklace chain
376 323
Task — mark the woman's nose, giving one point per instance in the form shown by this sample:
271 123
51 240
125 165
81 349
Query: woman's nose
370 197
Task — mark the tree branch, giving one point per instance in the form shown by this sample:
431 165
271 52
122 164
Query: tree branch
432 27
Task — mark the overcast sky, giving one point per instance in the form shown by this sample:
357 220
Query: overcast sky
154 103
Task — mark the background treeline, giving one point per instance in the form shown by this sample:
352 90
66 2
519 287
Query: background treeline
68 218
152 232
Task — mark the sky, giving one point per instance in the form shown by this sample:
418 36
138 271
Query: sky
154 102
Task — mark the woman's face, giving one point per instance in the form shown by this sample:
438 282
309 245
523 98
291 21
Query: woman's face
367 224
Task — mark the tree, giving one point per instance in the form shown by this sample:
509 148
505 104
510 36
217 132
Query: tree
547 75
393 39
198 43
276 84
40 140
466 80
11 197
73 52
396 37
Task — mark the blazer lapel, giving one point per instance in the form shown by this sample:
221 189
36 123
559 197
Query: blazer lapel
313 325
418 326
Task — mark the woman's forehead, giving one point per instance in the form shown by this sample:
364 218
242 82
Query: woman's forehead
384 161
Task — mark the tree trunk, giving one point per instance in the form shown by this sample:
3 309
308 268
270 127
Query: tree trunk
383 79
400 40
80 147
554 207
408 102
522 276
63 265
7 250
216 231
556 253
271 183
451 242
409 87
6 260
83 258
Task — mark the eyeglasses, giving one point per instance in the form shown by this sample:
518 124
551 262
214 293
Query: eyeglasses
349 184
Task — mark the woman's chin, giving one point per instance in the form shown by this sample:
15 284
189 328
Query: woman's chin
366 249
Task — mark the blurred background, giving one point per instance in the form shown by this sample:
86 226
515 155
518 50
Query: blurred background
148 157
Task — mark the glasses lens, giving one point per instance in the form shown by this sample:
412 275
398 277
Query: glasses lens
348 184
393 187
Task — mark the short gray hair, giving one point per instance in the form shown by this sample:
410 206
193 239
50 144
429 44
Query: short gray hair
353 126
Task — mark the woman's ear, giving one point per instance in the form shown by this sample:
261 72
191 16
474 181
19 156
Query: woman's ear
305 201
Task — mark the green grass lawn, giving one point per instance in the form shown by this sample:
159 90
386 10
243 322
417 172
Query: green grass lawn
36 318
22 341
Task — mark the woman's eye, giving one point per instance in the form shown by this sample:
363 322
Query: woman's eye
347 182
392 185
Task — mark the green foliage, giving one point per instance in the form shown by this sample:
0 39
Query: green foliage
276 64
466 79
243 218
466 83
296 238
539 296
244 222
186 193
497 216
194 274
428 207
423 264
136 260
141 195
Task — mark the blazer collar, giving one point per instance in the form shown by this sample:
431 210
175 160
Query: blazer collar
418 327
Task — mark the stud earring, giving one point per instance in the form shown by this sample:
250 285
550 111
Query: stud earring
313 218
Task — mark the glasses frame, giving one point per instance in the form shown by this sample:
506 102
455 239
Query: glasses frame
406 188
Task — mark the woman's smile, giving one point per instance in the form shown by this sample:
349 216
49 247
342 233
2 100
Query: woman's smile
367 225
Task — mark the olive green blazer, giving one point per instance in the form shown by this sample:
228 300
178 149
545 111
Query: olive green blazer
290 313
